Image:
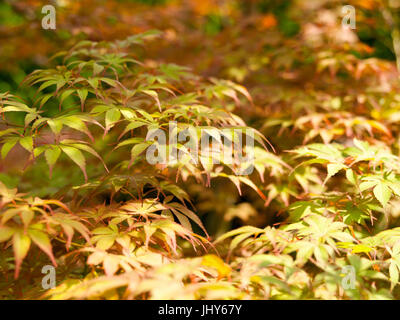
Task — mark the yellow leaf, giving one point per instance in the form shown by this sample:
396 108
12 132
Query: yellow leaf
212 261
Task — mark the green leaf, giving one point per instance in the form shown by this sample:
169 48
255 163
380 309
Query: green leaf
82 93
66 94
94 82
132 126
138 149
351 176
29 118
367 185
76 156
382 193
76 122
112 116
27 143
97 68
55 125
52 154
46 84
7 147
333 168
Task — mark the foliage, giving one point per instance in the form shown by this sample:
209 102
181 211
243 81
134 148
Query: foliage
78 192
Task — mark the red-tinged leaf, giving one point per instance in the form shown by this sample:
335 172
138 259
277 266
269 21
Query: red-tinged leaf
111 265
96 258
43 242
171 238
57 203
27 215
69 231
154 95
21 245
184 221
191 215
